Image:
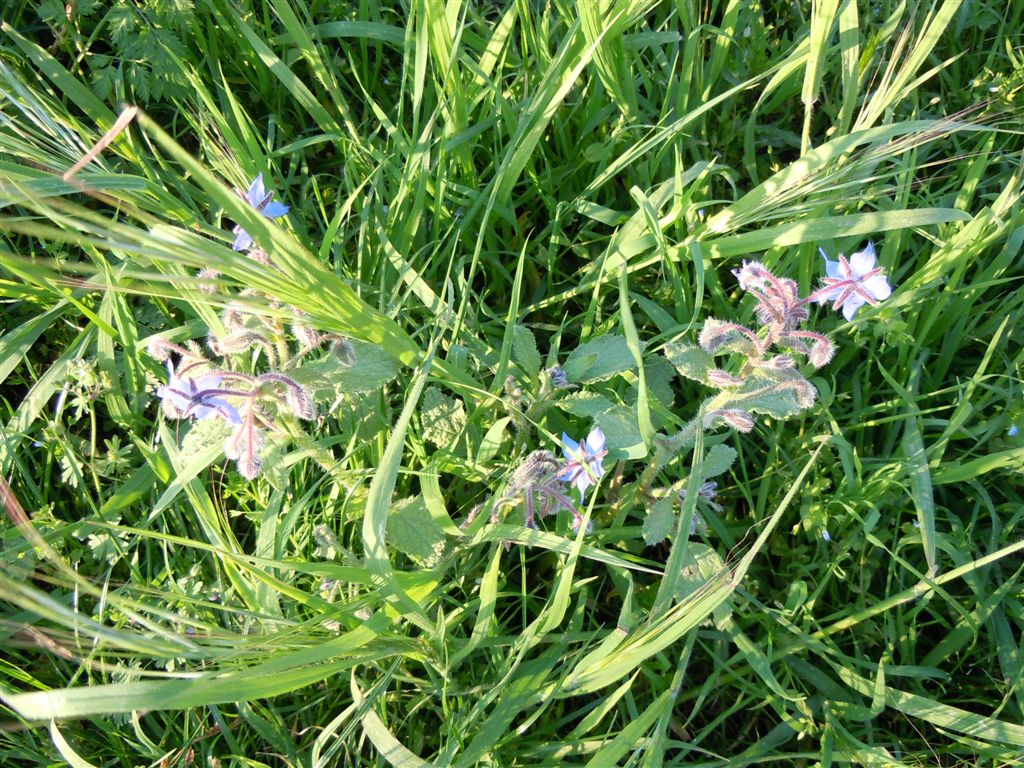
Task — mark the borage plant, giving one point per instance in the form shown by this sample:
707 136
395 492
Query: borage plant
269 375
756 372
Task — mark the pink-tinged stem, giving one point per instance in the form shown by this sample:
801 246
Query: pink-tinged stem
807 335
235 375
743 330
197 364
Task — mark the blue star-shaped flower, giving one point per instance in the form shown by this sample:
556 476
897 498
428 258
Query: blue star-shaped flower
185 396
852 283
583 460
263 201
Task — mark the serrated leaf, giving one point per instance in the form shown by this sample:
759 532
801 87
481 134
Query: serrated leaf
691 362
329 379
52 12
718 460
585 404
103 81
700 563
599 359
121 25
412 530
660 521
621 431
442 417
524 350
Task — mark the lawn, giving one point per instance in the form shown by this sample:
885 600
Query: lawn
512 383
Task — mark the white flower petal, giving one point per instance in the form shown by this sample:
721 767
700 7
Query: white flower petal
878 287
863 262
833 269
851 305
210 381
827 297
582 482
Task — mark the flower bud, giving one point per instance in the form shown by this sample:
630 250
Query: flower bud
781 363
723 379
559 378
209 280
751 275
822 352
300 402
714 335
260 257
244 446
806 394
161 349
738 419
306 336
343 351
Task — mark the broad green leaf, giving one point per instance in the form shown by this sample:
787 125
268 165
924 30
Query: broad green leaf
718 460
443 418
621 431
205 437
660 376
775 395
524 350
779 405
660 521
691 362
598 359
329 379
585 404
412 530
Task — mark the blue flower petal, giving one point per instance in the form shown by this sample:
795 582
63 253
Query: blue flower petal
851 305
275 210
228 411
570 473
570 448
242 240
256 191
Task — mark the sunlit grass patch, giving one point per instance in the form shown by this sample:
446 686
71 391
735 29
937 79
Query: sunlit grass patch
525 423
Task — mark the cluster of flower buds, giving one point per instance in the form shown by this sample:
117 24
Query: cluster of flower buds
781 311
535 482
761 374
254 403
768 379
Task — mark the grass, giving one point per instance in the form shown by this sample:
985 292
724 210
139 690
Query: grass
479 191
